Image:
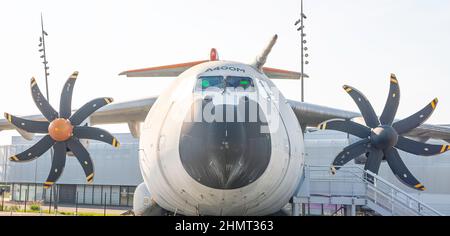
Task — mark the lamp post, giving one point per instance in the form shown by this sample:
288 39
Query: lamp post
42 49
44 55
304 55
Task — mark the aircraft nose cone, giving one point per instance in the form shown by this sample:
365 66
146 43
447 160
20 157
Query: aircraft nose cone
225 154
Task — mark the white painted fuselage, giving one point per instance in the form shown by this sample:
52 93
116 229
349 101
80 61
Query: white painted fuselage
173 188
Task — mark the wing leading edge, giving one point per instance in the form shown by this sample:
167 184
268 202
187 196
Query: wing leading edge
176 69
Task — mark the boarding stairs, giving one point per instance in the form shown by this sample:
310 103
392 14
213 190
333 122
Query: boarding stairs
352 186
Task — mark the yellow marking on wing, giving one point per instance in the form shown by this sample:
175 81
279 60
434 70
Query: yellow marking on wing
444 148
434 103
115 143
8 117
74 75
394 79
322 126
33 82
14 158
108 100
48 184
348 89
90 178
419 186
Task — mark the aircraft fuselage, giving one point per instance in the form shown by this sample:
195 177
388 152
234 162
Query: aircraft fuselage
221 140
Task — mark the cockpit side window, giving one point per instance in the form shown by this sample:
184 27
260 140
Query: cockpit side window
210 83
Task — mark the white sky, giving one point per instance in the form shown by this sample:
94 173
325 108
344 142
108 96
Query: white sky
350 42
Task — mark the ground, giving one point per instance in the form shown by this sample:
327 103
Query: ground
17 209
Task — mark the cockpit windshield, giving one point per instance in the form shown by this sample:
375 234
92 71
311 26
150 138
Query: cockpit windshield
239 82
210 82
219 83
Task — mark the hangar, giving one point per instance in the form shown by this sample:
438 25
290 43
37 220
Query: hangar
117 174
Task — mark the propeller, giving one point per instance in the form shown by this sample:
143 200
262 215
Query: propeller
63 131
382 137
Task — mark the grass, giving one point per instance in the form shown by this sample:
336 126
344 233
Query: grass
86 214
35 208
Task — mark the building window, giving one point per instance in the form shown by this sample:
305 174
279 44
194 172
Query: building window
23 192
97 195
16 192
106 198
39 192
80 194
31 193
123 196
131 195
88 195
115 196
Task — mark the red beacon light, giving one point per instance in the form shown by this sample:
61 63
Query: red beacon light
214 56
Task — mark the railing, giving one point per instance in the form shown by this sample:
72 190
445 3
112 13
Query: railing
355 181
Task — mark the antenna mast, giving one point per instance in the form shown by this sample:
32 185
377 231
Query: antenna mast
46 68
303 48
44 55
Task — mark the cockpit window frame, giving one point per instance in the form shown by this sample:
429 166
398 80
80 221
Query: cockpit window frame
250 88
200 88
199 85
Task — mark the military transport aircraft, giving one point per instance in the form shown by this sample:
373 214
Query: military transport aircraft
222 140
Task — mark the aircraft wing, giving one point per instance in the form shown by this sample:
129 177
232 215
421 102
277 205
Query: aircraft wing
176 69
161 71
273 73
131 112
312 115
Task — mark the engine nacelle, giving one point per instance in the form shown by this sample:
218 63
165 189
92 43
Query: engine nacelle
143 204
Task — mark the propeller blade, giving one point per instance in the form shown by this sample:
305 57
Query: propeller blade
58 164
374 160
85 111
349 153
83 132
35 151
346 126
408 124
83 157
30 126
42 103
400 170
418 148
390 109
65 105
369 115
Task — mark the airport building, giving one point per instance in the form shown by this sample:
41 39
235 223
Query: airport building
117 174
